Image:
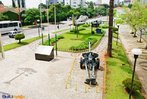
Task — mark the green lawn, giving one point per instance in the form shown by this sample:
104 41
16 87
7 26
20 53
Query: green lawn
71 39
118 69
24 42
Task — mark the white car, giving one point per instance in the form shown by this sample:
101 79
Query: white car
12 34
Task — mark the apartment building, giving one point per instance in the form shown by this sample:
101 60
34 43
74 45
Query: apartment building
75 3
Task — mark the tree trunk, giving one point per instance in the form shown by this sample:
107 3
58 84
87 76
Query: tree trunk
140 36
110 35
146 46
135 33
19 41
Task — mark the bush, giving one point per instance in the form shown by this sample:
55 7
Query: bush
130 6
81 28
83 45
60 37
92 32
52 40
19 37
136 84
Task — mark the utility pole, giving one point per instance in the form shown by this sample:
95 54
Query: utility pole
47 13
40 17
55 16
110 34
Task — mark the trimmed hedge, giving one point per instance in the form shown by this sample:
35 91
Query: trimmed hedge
52 40
19 37
84 45
86 25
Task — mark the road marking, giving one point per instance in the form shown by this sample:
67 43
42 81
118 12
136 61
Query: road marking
67 83
97 89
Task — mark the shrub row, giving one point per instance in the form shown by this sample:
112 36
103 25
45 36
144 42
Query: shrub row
84 45
86 25
53 40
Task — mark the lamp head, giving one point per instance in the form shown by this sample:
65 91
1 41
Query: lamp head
136 51
38 20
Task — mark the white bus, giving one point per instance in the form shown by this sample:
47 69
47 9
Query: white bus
6 26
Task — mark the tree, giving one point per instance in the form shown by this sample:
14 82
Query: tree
3 17
19 37
43 6
110 34
101 10
31 15
136 17
11 15
62 12
90 4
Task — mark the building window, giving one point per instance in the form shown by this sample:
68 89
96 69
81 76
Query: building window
74 2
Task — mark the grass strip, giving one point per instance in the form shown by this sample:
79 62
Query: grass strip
23 42
118 69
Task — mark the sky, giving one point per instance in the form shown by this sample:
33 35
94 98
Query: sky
34 3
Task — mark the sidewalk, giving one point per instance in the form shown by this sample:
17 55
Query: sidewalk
129 43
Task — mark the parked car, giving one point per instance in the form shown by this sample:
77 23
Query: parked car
12 34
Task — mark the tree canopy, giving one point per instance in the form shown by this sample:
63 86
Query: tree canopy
136 17
31 15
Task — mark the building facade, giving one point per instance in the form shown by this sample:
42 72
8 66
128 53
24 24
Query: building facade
75 3
54 1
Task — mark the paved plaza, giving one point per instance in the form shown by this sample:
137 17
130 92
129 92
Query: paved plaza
60 78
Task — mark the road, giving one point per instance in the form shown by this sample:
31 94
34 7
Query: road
33 32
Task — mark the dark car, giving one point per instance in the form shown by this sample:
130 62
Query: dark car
12 34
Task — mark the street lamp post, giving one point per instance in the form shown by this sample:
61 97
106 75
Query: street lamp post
55 16
38 21
136 52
